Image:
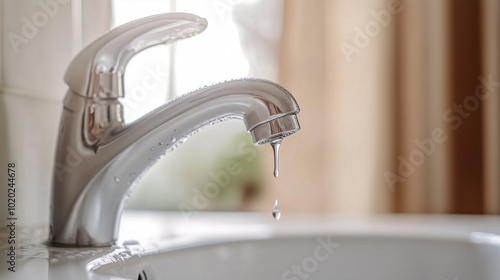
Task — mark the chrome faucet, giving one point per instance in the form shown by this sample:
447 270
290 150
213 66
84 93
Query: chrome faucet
99 157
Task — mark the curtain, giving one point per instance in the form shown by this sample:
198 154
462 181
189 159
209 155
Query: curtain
399 106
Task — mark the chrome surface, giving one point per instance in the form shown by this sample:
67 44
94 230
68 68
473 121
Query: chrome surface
99 157
97 71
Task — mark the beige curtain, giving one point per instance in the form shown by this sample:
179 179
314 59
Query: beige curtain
400 106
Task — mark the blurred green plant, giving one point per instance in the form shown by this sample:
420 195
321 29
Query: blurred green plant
217 169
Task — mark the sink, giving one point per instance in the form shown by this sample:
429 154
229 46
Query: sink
159 245
361 257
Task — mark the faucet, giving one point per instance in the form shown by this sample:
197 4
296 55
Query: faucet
99 158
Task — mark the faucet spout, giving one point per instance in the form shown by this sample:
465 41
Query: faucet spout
89 199
99 158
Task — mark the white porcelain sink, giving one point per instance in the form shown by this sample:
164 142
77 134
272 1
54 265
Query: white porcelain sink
249 246
361 257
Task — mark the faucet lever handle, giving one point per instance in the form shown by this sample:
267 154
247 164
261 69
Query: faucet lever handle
97 71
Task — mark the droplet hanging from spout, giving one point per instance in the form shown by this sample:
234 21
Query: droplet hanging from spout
276 148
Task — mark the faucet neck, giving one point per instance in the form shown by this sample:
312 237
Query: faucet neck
88 199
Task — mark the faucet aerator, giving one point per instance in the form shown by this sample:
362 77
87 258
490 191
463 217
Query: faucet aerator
275 130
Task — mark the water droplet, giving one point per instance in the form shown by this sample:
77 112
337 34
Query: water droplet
276 210
276 148
161 143
132 174
117 180
152 148
173 139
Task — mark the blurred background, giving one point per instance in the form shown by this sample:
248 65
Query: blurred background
399 102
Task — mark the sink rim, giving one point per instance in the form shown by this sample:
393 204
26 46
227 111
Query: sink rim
172 230
447 228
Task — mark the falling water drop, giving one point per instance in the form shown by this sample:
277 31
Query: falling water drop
276 148
276 210
117 180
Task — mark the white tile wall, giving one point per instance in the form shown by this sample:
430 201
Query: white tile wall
38 39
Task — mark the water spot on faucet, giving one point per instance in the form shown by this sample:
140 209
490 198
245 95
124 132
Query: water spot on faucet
130 242
161 143
152 148
117 180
